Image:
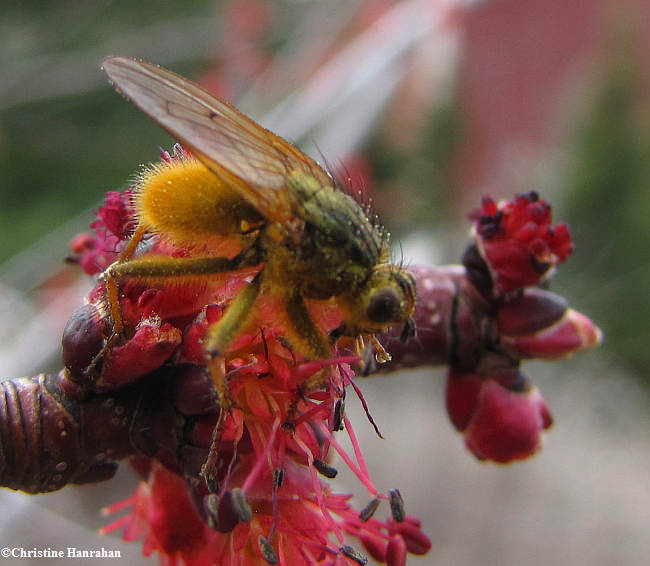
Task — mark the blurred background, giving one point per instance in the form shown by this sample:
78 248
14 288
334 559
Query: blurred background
425 106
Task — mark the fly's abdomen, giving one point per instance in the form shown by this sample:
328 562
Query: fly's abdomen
186 204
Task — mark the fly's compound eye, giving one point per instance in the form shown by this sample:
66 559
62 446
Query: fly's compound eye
390 298
384 307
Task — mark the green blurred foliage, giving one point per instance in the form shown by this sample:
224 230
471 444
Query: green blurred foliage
609 211
56 167
60 152
415 182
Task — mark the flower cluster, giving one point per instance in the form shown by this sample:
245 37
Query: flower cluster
497 408
272 503
484 318
268 499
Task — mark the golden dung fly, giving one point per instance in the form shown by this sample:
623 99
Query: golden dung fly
274 206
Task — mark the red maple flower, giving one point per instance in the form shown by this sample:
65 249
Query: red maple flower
517 241
96 251
269 500
273 503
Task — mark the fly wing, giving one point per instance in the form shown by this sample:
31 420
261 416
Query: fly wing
252 160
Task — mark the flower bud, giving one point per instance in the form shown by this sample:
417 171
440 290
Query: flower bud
571 333
374 544
410 532
83 339
500 423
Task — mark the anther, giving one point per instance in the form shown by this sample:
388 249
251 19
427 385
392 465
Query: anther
397 505
267 550
369 510
278 477
339 414
242 507
325 469
353 555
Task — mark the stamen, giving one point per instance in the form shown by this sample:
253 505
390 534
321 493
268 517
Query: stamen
252 476
363 478
365 407
265 345
231 464
318 490
128 502
355 446
179 152
325 469
307 555
354 555
278 478
243 509
115 525
309 415
339 413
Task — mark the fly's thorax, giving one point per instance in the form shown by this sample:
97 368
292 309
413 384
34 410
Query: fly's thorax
186 204
336 247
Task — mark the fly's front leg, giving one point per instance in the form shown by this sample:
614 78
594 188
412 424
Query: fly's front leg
222 333
307 338
304 334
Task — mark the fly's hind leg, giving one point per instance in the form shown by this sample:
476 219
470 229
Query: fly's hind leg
218 338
